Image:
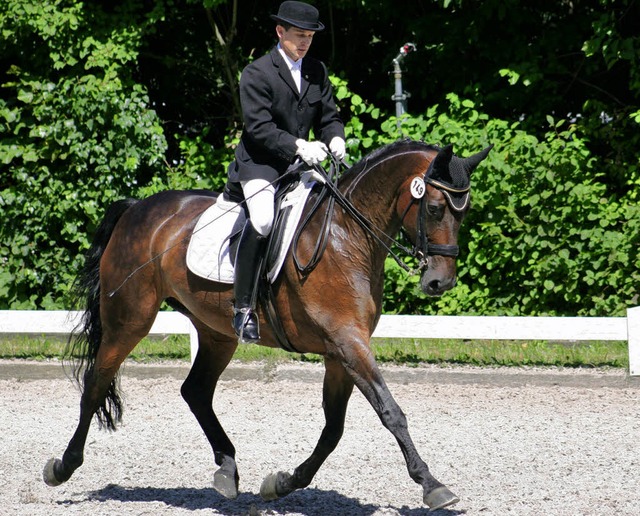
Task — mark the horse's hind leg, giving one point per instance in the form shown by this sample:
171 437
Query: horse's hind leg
99 397
336 392
214 353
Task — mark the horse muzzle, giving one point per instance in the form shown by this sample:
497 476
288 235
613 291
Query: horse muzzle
435 284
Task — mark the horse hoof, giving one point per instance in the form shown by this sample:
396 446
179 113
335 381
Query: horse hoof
269 487
49 474
225 485
439 498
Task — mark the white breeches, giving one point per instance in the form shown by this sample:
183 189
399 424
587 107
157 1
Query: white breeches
260 198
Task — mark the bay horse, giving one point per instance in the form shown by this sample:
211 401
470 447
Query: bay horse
331 310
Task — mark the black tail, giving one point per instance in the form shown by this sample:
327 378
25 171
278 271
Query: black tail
84 342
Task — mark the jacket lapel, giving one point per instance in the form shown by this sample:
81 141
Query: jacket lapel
284 72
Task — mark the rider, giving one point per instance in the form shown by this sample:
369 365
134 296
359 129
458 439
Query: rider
284 95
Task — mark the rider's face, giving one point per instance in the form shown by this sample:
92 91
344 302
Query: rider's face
295 42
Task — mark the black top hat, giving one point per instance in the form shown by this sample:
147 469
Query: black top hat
298 14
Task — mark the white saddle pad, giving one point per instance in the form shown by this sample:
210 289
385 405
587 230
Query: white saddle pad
209 255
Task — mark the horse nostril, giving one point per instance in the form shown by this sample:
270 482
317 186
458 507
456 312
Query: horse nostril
434 285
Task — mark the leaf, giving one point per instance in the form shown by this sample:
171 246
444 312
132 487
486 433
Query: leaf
25 96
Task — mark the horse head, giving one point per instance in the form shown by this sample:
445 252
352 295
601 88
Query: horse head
440 200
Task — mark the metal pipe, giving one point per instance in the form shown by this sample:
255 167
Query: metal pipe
400 96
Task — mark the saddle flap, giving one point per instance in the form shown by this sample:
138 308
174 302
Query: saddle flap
287 219
210 253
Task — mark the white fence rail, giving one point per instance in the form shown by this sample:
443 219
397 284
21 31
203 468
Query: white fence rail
627 328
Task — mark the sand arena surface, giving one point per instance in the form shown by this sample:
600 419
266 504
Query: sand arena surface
507 441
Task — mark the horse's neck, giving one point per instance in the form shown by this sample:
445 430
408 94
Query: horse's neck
375 192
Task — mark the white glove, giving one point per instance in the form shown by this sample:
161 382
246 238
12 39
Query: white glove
337 147
311 153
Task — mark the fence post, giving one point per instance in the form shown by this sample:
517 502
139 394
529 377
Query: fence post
633 339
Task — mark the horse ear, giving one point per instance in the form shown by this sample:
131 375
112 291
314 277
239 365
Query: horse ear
442 160
444 155
472 162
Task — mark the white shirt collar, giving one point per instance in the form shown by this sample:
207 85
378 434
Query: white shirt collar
293 65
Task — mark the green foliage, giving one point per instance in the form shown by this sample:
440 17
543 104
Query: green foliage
201 167
544 236
102 101
363 119
76 134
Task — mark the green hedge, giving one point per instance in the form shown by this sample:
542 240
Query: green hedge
544 235
547 234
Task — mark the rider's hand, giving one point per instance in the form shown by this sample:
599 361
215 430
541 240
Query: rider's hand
311 153
337 147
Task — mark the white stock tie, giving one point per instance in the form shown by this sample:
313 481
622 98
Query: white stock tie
295 73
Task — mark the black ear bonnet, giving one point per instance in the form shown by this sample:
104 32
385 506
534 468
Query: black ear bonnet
452 175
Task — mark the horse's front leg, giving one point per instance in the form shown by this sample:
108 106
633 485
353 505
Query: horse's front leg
361 365
337 389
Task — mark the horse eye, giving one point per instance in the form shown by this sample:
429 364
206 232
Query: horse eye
435 210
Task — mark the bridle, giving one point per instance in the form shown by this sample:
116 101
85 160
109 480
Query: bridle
422 248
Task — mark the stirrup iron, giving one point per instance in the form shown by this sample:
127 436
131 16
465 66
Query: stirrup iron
246 325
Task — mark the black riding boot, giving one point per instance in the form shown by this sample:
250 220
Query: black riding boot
247 268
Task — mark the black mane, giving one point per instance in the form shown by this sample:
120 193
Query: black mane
382 153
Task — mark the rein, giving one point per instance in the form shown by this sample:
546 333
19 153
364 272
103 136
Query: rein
321 243
347 205
420 251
